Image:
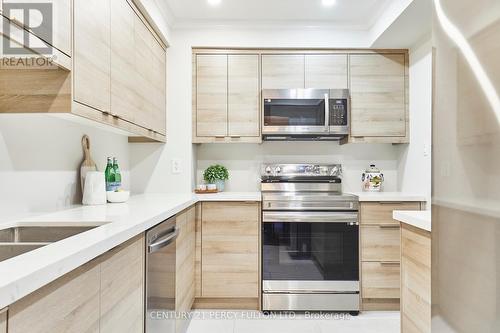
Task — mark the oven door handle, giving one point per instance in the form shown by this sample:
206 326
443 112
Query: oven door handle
328 217
163 242
327 113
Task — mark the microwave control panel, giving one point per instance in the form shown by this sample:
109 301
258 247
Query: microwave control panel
338 112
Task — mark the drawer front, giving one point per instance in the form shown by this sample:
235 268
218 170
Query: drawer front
380 243
380 280
379 213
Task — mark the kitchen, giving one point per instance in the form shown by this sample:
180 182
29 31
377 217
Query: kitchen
278 163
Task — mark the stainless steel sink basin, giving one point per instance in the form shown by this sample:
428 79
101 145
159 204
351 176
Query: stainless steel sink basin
18 240
42 234
8 251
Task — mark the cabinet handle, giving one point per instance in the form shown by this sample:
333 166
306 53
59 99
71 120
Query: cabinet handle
389 226
389 263
219 137
235 137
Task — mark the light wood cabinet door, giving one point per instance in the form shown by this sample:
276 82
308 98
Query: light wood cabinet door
69 304
415 280
282 71
243 95
92 54
124 78
122 288
58 34
378 91
197 270
380 280
230 250
3 312
211 95
326 71
143 63
185 265
380 213
159 87
379 243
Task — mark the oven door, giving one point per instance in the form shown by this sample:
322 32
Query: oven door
295 111
310 252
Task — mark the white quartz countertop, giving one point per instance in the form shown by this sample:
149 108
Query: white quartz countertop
116 223
389 196
420 219
230 196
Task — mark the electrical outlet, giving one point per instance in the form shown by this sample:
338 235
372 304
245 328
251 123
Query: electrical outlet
176 166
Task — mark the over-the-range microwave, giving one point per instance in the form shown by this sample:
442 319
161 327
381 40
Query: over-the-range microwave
305 114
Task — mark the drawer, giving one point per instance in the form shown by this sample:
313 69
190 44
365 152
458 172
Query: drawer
376 213
380 280
380 243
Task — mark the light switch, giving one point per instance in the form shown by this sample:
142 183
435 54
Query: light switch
426 150
176 166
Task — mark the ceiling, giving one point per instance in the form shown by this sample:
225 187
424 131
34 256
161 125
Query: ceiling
355 14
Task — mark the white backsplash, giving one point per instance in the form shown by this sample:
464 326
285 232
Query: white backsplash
244 161
40 157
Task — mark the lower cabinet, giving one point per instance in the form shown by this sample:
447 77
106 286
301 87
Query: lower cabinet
68 304
415 280
381 254
3 320
185 266
104 295
122 288
229 255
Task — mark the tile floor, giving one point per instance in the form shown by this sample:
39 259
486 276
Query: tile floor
253 322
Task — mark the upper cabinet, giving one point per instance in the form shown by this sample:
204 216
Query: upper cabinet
282 71
124 78
243 95
293 71
211 95
115 74
379 110
326 71
226 98
92 76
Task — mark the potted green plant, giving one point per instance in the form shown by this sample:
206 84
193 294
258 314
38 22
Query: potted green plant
216 174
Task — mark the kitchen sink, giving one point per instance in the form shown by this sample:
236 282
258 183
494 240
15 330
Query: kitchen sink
18 240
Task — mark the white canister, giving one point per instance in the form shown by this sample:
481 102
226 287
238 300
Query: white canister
94 192
372 179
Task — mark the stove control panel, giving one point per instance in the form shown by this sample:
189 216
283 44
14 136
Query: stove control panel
304 170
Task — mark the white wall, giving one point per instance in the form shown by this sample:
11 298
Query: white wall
40 156
415 163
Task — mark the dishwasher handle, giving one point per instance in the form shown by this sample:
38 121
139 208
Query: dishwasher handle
163 242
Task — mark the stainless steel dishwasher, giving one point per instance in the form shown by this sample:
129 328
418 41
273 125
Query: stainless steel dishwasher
160 277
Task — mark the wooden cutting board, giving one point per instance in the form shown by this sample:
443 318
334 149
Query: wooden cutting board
88 163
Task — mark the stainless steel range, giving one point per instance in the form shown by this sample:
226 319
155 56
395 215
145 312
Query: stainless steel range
310 240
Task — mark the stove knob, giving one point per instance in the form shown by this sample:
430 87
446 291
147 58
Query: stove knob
335 171
268 170
278 169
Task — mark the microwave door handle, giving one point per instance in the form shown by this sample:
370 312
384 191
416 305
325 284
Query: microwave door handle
327 113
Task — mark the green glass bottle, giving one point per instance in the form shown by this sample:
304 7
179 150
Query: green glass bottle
109 175
118 175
